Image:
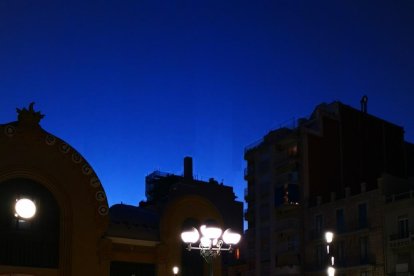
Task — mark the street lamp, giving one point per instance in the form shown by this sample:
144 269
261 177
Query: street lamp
329 238
175 270
211 242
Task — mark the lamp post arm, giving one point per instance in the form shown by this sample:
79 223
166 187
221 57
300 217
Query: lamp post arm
191 247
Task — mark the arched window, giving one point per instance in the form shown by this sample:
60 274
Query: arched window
25 241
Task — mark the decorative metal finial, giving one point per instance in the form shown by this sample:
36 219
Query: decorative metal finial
29 116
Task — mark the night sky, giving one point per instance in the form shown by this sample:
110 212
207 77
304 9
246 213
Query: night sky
135 86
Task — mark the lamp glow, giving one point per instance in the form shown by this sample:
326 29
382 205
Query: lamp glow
191 236
331 271
205 242
25 208
230 237
211 232
329 237
175 270
212 242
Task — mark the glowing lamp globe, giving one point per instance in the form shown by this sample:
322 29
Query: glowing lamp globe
211 232
331 271
329 237
205 242
191 236
25 208
231 238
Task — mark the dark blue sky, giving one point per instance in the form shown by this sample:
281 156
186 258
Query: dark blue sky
135 86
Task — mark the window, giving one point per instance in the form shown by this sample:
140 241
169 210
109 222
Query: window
264 166
340 252
403 227
293 150
318 224
264 212
362 215
363 249
340 221
319 250
292 243
24 241
294 176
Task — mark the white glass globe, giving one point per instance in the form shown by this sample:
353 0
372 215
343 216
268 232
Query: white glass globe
25 208
329 237
205 242
331 271
230 237
210 232
191 236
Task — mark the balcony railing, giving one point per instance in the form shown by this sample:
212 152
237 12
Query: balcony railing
401 240
347 262
347 228
397 197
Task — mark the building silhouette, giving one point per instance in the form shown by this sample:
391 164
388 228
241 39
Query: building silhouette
317 174
74 232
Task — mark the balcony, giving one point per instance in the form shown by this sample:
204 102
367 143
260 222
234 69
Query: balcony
249 214
249 194
351 228
353 261
402 196
246 214
248 173
285 164
348 262
401 241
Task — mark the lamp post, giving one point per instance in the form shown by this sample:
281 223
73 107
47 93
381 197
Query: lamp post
211 242
329 252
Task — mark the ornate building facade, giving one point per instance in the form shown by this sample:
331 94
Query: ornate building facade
73 231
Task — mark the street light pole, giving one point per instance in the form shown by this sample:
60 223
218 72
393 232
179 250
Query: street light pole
329 253
211 242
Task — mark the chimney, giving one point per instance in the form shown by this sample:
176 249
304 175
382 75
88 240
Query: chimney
188 168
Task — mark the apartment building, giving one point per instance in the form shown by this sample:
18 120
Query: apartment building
356 221
311 174
273 213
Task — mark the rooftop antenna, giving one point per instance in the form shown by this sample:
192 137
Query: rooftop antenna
364 103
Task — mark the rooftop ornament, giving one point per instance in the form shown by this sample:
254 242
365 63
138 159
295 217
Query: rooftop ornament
29 116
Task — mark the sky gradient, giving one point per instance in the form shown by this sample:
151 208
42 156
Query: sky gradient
135 86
